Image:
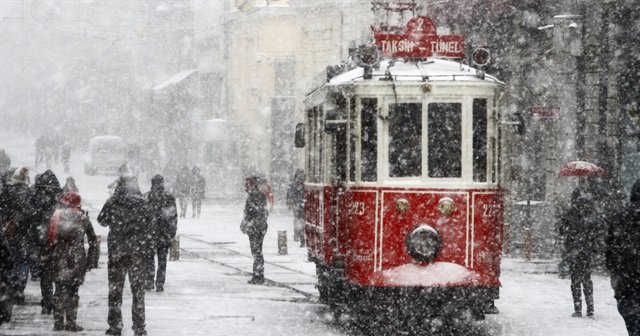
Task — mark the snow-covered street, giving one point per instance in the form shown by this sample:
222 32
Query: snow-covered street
206 292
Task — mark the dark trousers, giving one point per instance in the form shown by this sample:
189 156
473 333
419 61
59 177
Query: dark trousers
118 268
162 252
582 280
256 238
46 286
66 301
629 309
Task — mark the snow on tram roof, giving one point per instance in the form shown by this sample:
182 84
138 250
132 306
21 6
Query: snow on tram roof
431 70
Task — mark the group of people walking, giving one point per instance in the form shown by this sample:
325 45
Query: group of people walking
43 234
190 184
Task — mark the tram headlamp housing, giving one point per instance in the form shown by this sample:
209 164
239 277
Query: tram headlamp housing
446 206
424 243
402 205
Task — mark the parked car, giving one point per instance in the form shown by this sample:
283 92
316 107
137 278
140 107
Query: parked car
106 153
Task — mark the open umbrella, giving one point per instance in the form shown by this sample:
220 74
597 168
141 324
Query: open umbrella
581 168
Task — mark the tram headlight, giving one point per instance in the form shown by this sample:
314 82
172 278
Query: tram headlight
402 205
446 206
424 243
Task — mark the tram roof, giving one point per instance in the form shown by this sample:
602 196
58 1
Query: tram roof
429 70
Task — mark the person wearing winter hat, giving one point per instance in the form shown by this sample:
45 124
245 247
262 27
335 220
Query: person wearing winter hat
622 258
69 260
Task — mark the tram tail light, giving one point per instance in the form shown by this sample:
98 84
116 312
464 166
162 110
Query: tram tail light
424 243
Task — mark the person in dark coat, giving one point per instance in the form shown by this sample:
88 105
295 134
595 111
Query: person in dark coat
128 216
163 229
254 224
6 267
182 188
622 258
579 226
198 187
68 259
295 203
14 208
44 202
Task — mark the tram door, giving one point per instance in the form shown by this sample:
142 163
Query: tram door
336 138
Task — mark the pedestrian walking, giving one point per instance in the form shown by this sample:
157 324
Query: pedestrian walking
68 259
5 161
622 259
65 156
44 202
295 203
70 185
127 215
579 226
6 294
181 189
163 229
14 204
254 224
198 187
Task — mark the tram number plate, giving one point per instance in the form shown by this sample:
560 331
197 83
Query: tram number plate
490 210
356 208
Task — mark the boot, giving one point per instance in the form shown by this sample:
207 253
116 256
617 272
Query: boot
58 320
72 314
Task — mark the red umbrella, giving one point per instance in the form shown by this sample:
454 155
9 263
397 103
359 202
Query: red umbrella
581 168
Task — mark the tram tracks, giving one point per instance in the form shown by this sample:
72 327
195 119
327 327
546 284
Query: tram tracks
309 297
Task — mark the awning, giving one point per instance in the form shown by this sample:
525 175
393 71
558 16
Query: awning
175 79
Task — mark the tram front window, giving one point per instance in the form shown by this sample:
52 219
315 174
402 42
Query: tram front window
405 145
445 139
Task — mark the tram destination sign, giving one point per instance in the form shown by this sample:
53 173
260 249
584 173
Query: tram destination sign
419 40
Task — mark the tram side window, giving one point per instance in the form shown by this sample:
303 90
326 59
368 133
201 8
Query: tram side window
315 144
445 139
405 144
353 138
480 140
369 140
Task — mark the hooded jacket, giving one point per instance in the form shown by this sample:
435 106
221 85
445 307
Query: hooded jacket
623 246
44 201
128 217
165 214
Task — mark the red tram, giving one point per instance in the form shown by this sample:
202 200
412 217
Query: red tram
403 200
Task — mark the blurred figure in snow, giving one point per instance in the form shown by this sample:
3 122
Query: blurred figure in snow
198 187
295 203
163 228
70 185
579 226
5 162
182 188
68 259
254 224
65 155
128 216
623 260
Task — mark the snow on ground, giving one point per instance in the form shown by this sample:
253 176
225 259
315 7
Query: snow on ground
205 298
